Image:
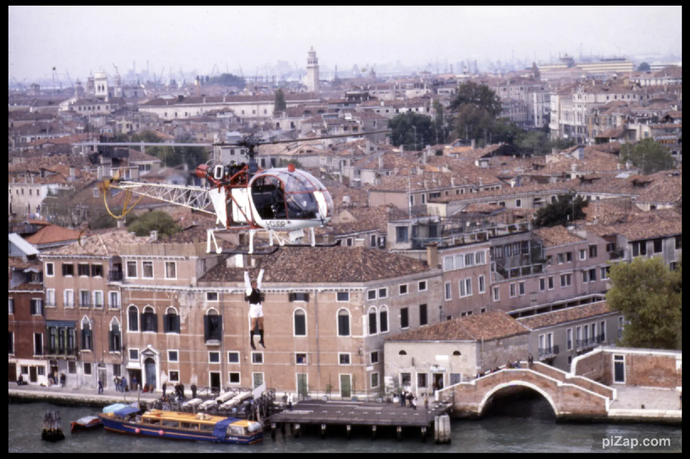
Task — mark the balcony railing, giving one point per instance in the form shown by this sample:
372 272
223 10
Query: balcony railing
548 352
115 276
114 305
49 350
85 304
569 345
586 343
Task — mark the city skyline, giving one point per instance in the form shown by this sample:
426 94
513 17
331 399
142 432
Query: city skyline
254 40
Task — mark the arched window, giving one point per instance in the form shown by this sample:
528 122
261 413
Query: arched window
372 321
300 322
213 329
133 316
171 321
456 353
383 319
86 342
115 340
402 353
343 322
149 320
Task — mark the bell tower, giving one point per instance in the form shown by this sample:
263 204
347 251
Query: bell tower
312 71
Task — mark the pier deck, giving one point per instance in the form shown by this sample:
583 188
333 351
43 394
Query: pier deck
359 413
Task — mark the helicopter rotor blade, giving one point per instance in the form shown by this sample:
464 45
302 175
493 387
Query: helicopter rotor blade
272 142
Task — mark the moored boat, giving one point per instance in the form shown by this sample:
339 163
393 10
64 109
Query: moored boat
182 426
85 423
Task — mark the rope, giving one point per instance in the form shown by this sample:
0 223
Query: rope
125 210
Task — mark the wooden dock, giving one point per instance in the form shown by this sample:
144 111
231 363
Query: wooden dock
370 414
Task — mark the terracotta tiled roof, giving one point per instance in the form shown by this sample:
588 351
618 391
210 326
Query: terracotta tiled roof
366 219
331 265
550 319
505 191
646 225
665 187
52 233
105 244
492 325
556 235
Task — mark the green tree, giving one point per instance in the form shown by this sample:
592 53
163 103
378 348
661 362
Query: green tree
648 155
153 221
643 67
473 122
280 104
227 79
561 211
480 95
406 125
441 125
650 297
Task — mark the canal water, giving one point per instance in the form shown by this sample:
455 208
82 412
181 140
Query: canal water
525 425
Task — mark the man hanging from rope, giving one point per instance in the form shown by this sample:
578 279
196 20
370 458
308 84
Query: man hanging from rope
256 311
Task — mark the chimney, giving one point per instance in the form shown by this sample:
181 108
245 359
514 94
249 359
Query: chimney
72 171
452 181
432 255
359 242
381 162
618 166
120 224
235 261
573 167
628 165
473 144
425 184
154 236
480 181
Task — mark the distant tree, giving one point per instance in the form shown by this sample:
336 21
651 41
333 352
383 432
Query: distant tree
473 122
286 162
650 297
153 221
227 79
648 155
643 67
561 211
404 134
480 95
441 126
279 104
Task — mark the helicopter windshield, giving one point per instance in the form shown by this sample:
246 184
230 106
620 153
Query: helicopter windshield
279 194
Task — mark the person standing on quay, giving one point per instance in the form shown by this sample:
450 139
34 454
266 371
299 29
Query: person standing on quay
100 386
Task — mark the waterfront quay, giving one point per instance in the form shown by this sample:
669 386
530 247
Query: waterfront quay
349 414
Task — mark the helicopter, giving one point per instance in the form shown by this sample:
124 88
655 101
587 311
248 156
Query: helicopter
245 197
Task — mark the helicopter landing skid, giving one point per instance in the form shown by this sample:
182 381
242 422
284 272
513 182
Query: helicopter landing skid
293 236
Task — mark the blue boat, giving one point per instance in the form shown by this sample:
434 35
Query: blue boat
182 426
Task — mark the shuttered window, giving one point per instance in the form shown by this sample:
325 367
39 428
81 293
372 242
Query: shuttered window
300 323
212 327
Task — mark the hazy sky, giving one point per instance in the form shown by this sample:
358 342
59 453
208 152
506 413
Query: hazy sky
79 39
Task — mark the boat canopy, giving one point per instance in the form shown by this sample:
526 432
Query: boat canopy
221 427
114 407
126 411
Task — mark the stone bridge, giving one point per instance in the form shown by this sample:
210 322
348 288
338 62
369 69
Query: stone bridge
570 397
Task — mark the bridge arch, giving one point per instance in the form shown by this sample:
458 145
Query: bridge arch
542 392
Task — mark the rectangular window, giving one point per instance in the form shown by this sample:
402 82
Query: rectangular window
301 358
257 358
566 280
38 343
422 315
374 357
174 376
170 270
173 356
343 297
67 269
448 292
98 299
299 296
83 269
468 286
585 277
87 368
605 272
469 259
561 258
132 269
592 251
96 270
257 379
11 305
569 339
36 307
134 355
374 380
147 269
84 299
402 289
551 283
593 275
448 263
233 357
371 295
421 380
542 284
422 286
50 269
234 377
512 290
518 203
212 296
658 245
496 294
583 254
404 318
405 380
344 358
461 288
679 242
72 367
401 234
569 257
114 300
482 286
383 293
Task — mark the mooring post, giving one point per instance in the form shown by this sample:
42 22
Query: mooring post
349 428
423 434
373 432
323 431
282 428
273 430
297 431
399 431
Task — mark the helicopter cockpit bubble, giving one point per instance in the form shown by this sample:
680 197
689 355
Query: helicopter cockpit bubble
294 195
